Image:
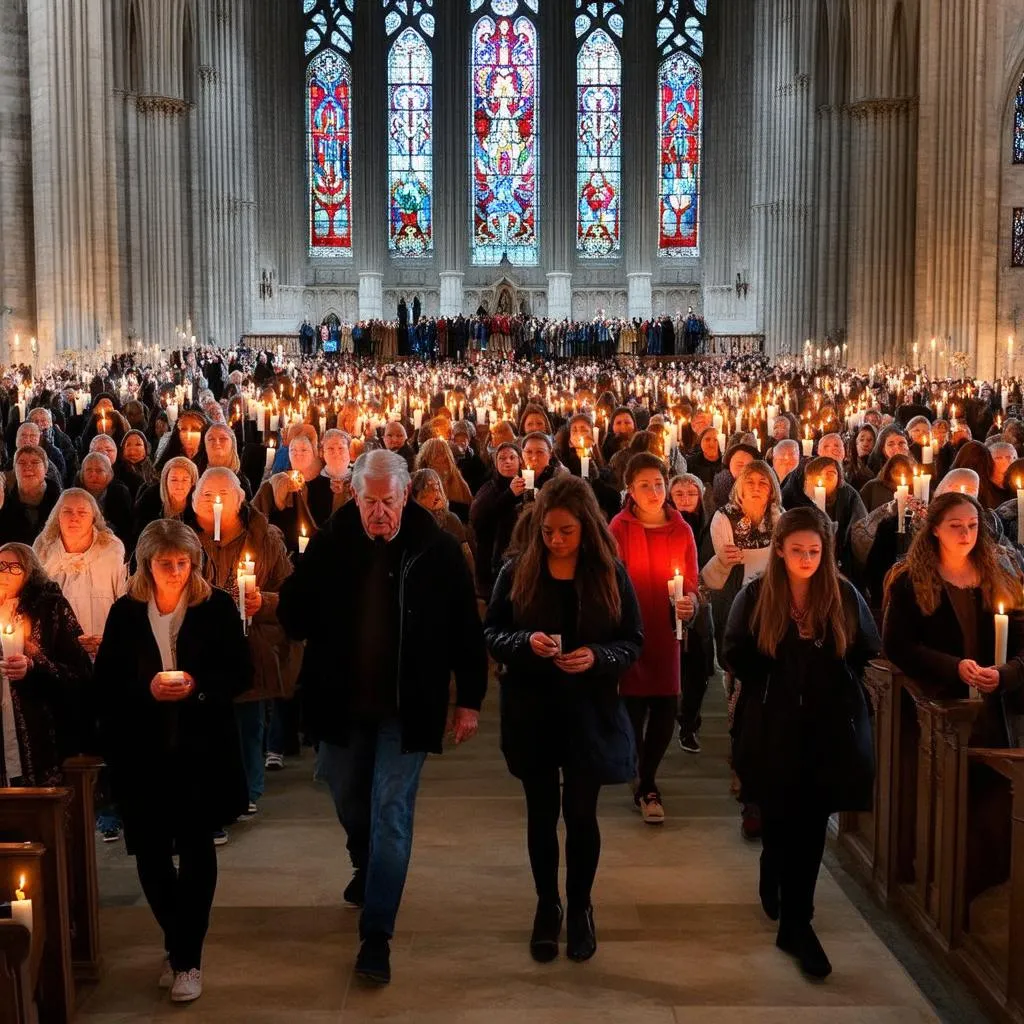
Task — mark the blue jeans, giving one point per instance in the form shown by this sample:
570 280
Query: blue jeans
374 789
249 719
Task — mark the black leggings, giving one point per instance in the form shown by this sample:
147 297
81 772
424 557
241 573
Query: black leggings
578 802
654 722
180 899
791 853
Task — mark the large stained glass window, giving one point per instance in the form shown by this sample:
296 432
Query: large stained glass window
329 125
1018 126
503 133
1017 241
598 128
680 40
410 127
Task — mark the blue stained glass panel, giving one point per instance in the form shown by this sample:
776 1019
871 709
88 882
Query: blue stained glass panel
680 100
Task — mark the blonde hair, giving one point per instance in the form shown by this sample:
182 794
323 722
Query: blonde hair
178 462
49 537
164 537
773 510
234 463
455 487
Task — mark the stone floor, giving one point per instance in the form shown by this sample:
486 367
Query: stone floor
682 936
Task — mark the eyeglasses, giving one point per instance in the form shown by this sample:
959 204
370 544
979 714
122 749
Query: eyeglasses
14 568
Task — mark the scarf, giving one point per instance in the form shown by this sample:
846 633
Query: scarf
745 533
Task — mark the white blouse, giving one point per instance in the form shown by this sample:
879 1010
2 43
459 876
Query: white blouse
91 581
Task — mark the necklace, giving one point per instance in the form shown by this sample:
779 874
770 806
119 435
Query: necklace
800 618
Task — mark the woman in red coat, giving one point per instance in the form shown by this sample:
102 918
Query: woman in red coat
655 543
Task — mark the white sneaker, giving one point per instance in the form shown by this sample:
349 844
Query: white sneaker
167 974
188 986
274 762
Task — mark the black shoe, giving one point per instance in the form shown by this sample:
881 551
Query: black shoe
804 945
373 964
581 942
355 891
768 890
547 927
688 741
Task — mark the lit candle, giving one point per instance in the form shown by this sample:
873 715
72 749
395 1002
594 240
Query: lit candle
927 452
676 593
241 595
1002 635
717 422
261 417
218 511
12 641
303 541
172 413
819 494
270 454
585 465
922 487
597 436
1020 511
528 478
21 908
417 419
275 422
902 493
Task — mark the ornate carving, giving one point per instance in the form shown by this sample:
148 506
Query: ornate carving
887 107
162 105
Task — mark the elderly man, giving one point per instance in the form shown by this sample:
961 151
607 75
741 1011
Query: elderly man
52 440
111 495
30 499
381 647
785 458
246 532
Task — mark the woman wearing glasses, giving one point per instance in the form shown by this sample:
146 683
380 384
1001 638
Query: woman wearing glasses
44 680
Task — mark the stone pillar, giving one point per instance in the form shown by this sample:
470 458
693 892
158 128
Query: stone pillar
638 298
371 295
369 154
557 168
559 295
71 66
451 293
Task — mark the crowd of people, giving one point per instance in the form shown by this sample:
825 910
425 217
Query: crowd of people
186 548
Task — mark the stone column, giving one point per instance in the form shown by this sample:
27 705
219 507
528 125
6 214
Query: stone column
557 167
451 293
371 295
559 295
638 296
71 68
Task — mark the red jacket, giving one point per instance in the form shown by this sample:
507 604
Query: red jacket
652 557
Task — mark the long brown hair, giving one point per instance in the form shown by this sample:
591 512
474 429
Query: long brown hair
999 583
825 612
596 565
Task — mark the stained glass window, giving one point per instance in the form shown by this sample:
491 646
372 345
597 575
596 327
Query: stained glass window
680 40
329 125
503 133
598 128
1017 258
1018 126
410 128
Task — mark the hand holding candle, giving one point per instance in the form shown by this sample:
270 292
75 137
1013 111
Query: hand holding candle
303 541
171 686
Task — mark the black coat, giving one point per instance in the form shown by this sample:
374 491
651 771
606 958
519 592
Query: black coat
493 516
14 522
173 765
929 648
117 508
550 719
844 507
802 732
440 632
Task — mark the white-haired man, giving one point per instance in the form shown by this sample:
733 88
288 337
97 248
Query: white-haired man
386 605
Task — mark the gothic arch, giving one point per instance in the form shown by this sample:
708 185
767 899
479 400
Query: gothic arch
900 83
188 56
822 60
133 62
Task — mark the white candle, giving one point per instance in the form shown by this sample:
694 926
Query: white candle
12 640
172 413
417 419
528 478
717 422
270 456
676 594
241 595
1002 635
927 453
902 493
585 466
922 487
303 541
21 908
218 511
275 422
597 436
808 447
820 495
261 417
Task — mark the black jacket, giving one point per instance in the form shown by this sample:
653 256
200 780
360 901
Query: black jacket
440 628
493 516
549 718
173 765
844 507
929 648
802 732
14 522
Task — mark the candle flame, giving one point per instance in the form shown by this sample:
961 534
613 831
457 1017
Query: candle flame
903 481
1001 608
20 891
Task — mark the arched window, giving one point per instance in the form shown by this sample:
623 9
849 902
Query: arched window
329 125
503 133
680 41
598 128
1018 126
410 127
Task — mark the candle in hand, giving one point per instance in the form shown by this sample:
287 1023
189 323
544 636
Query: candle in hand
21 908
819 494
902 493
529 477
1020 510
585 465
218 511
1002 635
927 453
12 640
270 454
303 541
808 443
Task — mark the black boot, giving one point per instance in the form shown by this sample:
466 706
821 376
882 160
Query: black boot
802 942
768 889
373 964
581 941
547 927
355 891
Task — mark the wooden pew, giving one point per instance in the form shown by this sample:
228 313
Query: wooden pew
20 953
80 776
989 909
40 815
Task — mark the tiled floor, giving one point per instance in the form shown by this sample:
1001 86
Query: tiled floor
682 937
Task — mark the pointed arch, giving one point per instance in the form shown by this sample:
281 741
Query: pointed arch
822 58
188 57
899 57
133 71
